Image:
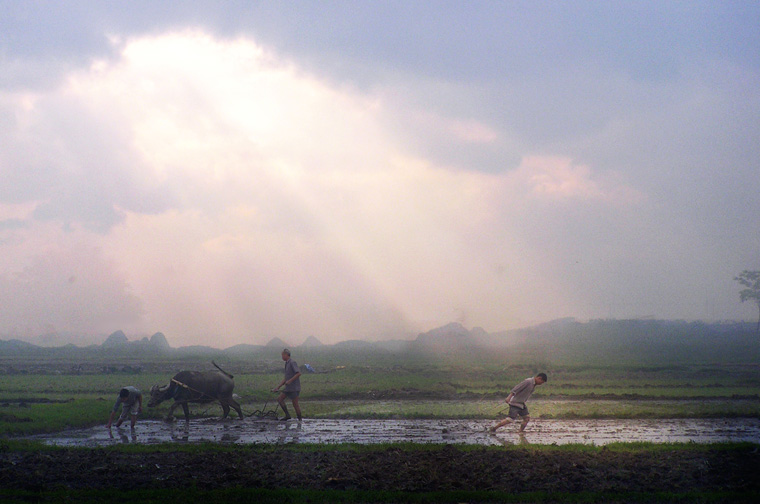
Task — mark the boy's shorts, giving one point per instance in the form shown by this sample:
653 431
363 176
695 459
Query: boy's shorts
127 410
515 412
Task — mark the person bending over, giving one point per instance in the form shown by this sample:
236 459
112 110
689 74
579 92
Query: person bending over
130 400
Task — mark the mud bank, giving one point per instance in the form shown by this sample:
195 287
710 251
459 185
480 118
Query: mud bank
691 472
317 431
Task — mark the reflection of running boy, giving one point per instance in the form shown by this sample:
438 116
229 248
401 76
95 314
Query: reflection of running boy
516 400
130 399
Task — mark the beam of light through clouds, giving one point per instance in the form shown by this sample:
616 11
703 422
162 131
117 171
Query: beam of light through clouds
226 188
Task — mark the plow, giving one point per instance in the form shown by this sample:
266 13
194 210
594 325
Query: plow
266 412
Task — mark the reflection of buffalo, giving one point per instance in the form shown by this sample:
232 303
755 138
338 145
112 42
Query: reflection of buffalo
197 387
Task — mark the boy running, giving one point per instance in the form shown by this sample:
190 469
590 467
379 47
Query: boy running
516 400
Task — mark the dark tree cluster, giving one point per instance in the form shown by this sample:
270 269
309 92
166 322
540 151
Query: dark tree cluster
751 281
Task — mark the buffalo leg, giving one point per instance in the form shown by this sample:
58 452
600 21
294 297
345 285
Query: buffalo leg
170 415
236 407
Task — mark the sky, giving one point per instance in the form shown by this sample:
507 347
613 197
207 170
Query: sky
231 172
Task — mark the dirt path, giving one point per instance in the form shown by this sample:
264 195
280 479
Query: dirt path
597 432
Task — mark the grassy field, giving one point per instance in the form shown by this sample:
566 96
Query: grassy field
433 381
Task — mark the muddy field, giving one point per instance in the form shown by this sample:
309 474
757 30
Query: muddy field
320 431
702 468
345 450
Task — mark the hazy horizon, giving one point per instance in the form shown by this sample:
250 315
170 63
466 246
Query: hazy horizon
366 169
82 340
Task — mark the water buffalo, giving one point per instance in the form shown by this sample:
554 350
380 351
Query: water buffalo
197 387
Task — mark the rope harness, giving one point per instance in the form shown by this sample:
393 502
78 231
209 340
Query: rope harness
188 387
260 413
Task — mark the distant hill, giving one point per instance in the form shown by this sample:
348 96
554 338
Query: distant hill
196 350
665 340
276 343
312 342
395 346
562 339
15 346
453 337
355 345
116 343
58 339
159 341
243 348
116 340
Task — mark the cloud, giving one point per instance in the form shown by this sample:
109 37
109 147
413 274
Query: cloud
223 193
66 286
277 203
558 178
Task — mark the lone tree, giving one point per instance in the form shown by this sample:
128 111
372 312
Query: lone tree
750 280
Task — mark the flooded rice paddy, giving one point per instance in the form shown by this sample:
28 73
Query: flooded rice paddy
325 431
